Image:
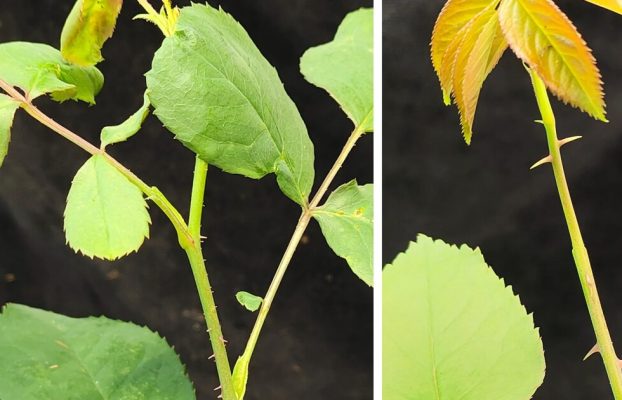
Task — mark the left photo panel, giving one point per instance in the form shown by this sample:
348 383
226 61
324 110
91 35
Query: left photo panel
186 200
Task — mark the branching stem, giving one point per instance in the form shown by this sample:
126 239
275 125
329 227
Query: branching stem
188 234
303 222
580 254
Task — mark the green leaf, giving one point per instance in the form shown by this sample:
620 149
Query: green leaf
346 220
89 25
249 301
40 69
50 356
451 327
344 67
221 98
106 215
128 128
8 106
240 376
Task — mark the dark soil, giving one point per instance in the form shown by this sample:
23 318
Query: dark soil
317 342
484 195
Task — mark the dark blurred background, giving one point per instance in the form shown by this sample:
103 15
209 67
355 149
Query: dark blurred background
484 195
317 342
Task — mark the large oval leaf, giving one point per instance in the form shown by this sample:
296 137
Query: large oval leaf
215 91
39 69
344 67
453 330
106 215
543 37
89 25
49 356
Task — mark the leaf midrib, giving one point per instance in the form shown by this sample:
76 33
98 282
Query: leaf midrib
561 55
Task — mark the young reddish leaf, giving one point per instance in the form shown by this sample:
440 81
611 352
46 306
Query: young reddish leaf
543 37
612 5
478 53
89 25
451 21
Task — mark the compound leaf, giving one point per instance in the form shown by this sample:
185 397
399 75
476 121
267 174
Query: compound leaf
89 24
8 106
450 25
128 128
215 91
248 300
452 327
344 67
543 37
346 220
612 5
106 215
40 69
50 356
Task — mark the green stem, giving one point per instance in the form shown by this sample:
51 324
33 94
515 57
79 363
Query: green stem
195 256
580 254
188 235
303 222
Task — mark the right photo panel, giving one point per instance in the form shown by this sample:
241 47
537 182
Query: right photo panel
502 211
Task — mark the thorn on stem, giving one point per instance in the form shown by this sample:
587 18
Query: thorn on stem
212 357
562 142
217 388
545 160
539 121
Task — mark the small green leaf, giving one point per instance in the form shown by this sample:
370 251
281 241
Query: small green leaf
50 356
452 328
240 377
40 69
249 301
215 91
128 128
8 106
106 215
346 220
344 67
89 25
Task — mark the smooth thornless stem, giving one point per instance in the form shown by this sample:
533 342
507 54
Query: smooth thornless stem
303 222
197 262
579 251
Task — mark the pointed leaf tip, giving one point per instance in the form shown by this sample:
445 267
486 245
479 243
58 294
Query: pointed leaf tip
543 37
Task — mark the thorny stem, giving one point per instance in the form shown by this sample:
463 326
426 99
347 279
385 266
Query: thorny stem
303 222
188 235
580 254
197 262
